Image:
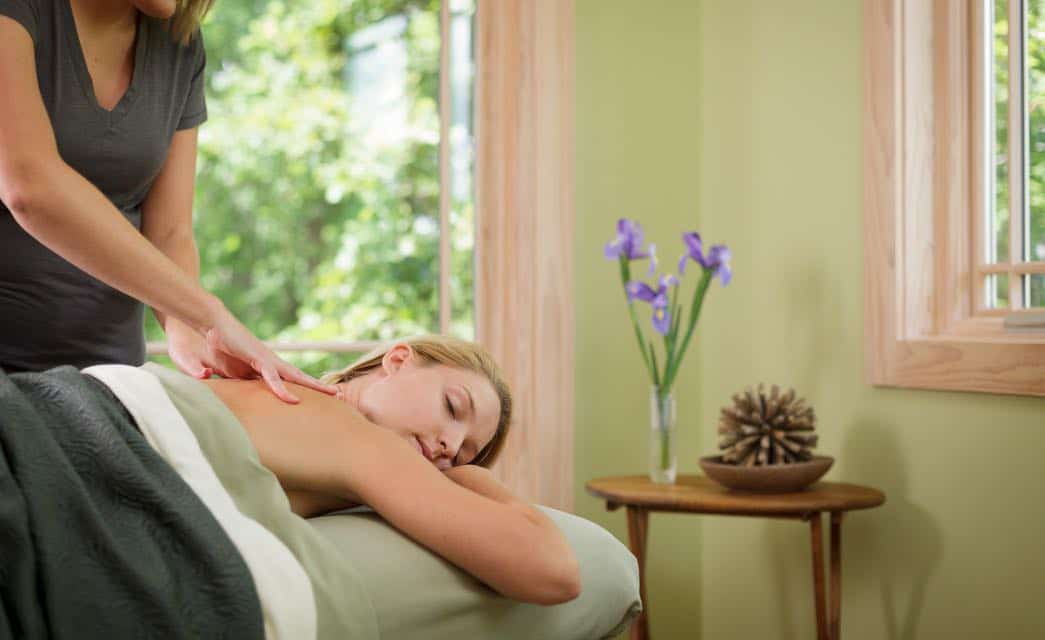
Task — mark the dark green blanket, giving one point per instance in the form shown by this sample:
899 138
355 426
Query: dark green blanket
99 536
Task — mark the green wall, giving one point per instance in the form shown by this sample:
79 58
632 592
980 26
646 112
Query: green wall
742 119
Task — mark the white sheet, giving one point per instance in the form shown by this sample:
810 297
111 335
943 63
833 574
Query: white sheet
283 586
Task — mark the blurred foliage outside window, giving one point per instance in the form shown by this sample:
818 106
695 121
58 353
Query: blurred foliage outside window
1000 217
317 191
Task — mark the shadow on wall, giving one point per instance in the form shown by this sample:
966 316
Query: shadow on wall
896 545
901 546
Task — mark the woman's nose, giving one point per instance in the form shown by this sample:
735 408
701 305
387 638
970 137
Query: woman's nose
450 441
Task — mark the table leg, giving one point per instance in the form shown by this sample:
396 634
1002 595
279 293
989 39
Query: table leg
638 521
818 577
836 574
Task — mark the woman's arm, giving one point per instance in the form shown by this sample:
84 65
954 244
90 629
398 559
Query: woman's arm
167 224
167 209
325 446
309 504
70 216
499 543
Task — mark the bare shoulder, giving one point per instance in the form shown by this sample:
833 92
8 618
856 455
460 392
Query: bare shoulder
306 445
255 405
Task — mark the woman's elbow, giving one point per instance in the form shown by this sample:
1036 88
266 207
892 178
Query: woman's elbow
563 585
568 585
16 196
23 185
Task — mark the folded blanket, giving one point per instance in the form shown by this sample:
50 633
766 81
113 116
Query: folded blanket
99 536
343 608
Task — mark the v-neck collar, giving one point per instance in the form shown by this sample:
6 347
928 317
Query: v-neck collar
83 75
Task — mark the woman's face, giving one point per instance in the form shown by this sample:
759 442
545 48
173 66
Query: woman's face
161 9
447 414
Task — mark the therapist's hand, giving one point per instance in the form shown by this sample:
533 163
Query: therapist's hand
189 351
230 342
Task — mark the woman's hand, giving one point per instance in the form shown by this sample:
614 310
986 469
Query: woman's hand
189 351
234 350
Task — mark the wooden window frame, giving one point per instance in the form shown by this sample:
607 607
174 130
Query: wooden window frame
524 245
924 324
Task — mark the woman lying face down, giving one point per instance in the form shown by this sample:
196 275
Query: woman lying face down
410 434
443 396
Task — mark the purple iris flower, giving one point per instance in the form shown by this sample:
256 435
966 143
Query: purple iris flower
717 258
658 299
628 242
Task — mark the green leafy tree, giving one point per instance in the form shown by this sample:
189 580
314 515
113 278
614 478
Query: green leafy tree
305 232
1035 230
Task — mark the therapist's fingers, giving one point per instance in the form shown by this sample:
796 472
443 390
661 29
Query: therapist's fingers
187 354
229 367
190 366
228 335
271 375
293 374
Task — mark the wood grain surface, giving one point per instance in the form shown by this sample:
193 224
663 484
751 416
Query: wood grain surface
697 494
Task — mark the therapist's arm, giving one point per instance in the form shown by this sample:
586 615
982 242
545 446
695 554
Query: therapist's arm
70 216
167 224
167 210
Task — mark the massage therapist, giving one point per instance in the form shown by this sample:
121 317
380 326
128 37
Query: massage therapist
99 105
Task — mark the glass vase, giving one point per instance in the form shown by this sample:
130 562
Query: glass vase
662 463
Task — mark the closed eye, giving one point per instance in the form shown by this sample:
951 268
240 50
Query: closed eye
450 407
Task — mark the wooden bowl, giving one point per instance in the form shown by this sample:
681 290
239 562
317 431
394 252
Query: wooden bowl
774 478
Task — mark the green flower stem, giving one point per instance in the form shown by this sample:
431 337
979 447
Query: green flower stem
694 313
656 370
665 435
671 336
663 411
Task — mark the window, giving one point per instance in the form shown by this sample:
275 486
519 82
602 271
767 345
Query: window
1013 267
954 195
327 210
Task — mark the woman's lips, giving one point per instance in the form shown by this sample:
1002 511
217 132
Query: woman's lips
422 448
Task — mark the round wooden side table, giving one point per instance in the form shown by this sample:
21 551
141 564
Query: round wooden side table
698 494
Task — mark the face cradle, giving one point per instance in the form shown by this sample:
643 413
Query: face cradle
449 414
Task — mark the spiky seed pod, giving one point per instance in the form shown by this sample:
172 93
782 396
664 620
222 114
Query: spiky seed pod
766 428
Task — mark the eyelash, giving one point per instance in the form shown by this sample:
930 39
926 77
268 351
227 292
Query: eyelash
453 414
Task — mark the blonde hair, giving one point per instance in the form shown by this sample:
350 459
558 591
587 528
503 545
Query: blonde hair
187 18
452 352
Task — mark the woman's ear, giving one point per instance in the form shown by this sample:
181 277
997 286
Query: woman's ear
398 355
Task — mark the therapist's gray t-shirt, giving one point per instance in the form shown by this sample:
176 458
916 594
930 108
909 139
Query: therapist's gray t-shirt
51 312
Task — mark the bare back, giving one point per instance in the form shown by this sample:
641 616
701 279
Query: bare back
301 458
